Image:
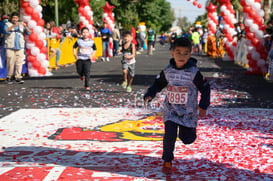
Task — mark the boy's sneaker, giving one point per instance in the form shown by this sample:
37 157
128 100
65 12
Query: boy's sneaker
102 59
87 88
129 89
9 81
124 84
107 59
167 168
20 81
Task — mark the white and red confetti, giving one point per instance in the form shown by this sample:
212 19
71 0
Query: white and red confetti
232 144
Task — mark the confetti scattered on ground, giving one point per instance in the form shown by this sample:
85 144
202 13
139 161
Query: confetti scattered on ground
232 144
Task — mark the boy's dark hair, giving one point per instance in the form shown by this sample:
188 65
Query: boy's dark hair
182 42
15 14
127 33
84 28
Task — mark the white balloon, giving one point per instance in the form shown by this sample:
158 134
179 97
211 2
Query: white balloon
41 57
105 15
248 2
26 18
32 72
32 24
87 8
82 18
261 13
42 36
38 8
248 22
38 29
255 55
30 45
259 34
35 51
254 27
256 6
223 8
34 3
261 63
45 63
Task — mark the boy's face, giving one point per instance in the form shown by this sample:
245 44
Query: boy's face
14 19
127 38
181 56
85 33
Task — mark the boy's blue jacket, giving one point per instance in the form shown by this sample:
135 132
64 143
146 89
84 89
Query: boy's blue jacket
183 84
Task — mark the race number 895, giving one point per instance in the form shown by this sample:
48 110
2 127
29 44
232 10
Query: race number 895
178 97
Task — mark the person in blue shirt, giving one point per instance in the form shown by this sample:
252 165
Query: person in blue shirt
2 32
105 34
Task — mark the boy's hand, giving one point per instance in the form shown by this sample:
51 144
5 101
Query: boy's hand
202 112
147 100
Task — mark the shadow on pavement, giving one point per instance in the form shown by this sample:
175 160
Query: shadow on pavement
135 165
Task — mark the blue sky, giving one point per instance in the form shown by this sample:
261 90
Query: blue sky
188 9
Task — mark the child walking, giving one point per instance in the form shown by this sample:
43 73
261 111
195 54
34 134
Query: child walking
128 61
180 110
84 54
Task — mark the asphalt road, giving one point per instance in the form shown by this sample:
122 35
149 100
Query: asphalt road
64 88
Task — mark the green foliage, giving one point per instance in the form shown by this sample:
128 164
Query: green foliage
128 13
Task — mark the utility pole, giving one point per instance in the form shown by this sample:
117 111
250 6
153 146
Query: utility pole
56 13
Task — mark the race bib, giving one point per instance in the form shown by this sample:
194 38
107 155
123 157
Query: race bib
177 94
85 51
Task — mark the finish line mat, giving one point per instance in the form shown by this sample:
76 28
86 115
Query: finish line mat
126 144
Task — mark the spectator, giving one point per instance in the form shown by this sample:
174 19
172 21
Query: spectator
172 39
2 32
15 47
139 40
116 39
162 39
151 38
196 41
52 34
105 34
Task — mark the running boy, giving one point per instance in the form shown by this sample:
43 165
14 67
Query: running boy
84 54
128 61
183 81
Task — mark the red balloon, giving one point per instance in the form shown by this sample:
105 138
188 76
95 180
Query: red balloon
29 10
31 58
255 41
41 22
35 16
42 70
243 3
199 6
24 5
253 14
36 64
252 63
43 50
195 3
33 37
247 9
39 43
250 35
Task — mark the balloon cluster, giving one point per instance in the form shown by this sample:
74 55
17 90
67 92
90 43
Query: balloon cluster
109 15
36 52
212 18
254 27
228 14
110 20
195 3
86 16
